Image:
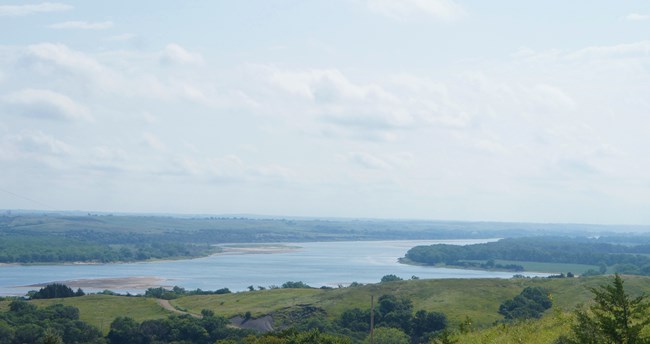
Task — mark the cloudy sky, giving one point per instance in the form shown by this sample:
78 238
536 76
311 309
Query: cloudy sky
429 109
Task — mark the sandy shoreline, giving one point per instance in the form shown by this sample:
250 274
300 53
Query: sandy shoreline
140 282
144 282
256 249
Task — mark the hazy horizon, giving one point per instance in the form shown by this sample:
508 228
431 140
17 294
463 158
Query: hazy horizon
453 110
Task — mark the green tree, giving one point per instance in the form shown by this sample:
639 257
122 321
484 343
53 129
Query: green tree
395 312
529 304
614 318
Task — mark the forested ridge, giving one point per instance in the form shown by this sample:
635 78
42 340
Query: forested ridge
624 258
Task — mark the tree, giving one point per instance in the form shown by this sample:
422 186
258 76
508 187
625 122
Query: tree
395 312
529 304
614 318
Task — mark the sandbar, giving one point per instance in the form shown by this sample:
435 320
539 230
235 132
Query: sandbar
256 249
139 282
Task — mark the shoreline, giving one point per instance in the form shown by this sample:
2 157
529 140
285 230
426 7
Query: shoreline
135 282
406 261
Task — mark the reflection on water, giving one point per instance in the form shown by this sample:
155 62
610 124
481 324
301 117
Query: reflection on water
317 264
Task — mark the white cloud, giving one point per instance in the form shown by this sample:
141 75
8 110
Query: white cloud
368 160
335 99
620 50
33 146
637 17
122 37
22 10
553 96
82 25
36 142
45 104
61 55
175 54
152 141
447 10
109 160
274 172
229 168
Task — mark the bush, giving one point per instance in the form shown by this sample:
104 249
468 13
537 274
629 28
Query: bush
530 304
291 284
56 290
390 278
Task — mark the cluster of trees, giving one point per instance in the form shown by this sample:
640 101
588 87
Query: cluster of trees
489 265
397 313
55 290
294 285
627 259
529 304
25 323
292 336
176 292
175 329
387 278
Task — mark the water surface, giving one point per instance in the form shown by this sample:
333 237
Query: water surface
317 264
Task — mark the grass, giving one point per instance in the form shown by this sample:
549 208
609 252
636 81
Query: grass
543 331
101 310
457 298
4 305
258 302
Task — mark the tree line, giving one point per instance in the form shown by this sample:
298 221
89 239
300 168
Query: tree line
630 259
57 249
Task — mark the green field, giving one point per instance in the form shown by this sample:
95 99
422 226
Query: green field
100 310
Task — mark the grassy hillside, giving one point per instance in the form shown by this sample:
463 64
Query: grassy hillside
542 331
100 310
479 299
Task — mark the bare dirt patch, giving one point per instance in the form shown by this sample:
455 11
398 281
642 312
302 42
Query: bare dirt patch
263 324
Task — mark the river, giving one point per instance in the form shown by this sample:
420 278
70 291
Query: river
316 263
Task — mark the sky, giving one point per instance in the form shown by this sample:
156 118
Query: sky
506 110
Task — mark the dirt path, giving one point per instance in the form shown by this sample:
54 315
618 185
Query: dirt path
168 306
263 324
